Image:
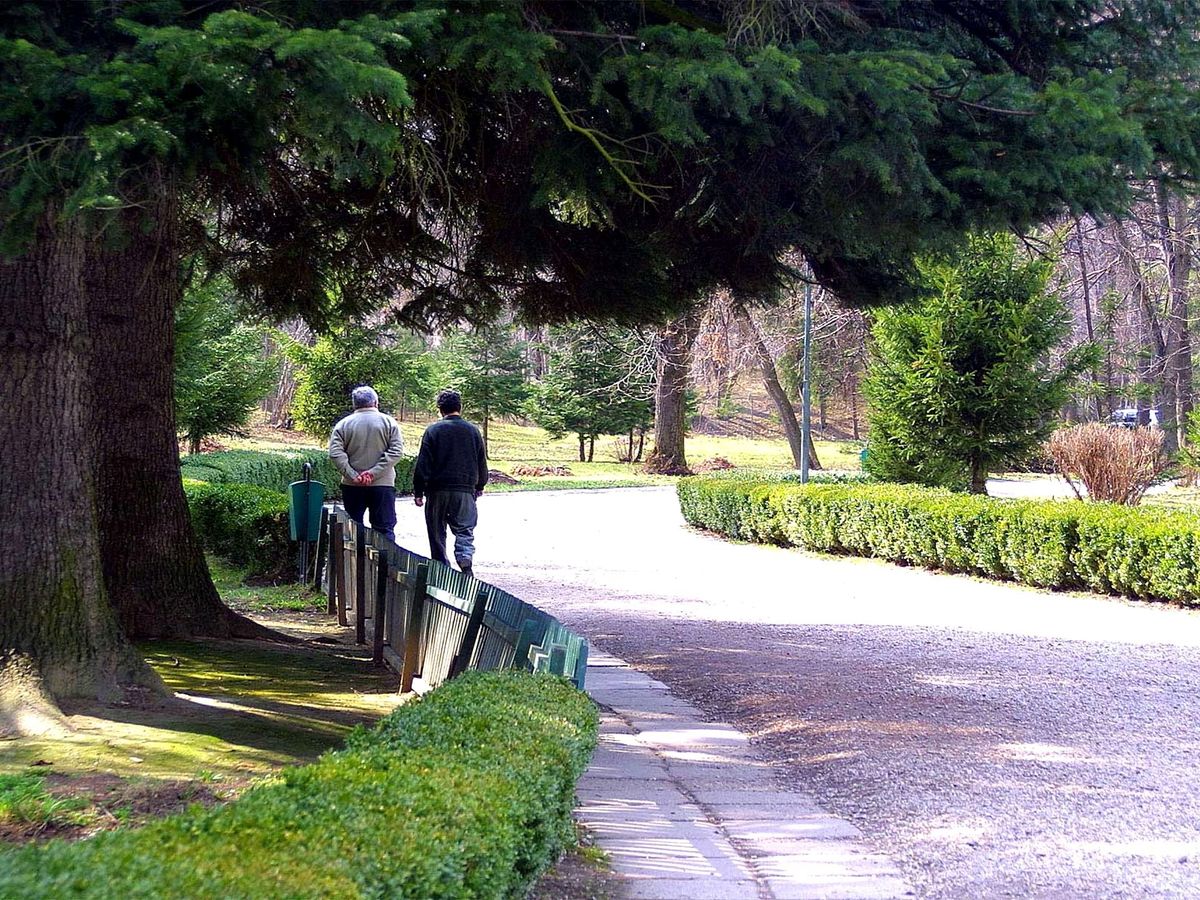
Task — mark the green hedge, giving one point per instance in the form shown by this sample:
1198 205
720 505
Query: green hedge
243 523
276 469
466 793
1137 552
272 469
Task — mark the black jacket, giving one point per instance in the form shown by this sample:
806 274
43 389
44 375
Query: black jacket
451 458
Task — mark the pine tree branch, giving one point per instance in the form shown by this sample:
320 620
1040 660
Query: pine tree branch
597 139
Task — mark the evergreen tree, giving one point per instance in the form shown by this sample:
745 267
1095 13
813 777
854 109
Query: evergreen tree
475 154
221 372
340 361
413 381
960 382
594 386
487 366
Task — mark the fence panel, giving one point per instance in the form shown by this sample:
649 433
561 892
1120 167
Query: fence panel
501 631
426 619
450 597
379 555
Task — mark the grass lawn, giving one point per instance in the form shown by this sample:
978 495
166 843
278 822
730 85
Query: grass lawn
1175 497
511 445
256 599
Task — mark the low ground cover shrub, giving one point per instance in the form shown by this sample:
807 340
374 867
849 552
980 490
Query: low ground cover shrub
465 793
273 469
242 523
1145 553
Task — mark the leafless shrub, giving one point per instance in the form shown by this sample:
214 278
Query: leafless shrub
620 450
540 471
1114 464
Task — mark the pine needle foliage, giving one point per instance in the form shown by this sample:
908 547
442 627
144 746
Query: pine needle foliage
478 154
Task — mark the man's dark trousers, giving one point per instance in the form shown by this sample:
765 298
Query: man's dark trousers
378 500
456 510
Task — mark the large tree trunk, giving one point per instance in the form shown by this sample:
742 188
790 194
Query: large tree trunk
154 567
978 475
770 377
674 347
59 638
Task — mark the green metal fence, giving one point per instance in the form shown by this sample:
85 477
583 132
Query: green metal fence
430 622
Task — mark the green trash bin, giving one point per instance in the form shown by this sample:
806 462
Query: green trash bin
305 499
862 458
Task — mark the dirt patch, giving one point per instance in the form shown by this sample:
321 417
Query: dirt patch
280 435
716 464
581 874
81 806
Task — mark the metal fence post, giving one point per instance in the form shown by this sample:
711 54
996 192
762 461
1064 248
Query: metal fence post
463 659
412 628
333 569
379 614
360 585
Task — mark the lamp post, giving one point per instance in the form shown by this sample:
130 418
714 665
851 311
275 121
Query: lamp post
805 389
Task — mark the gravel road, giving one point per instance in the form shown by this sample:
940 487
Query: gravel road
996 741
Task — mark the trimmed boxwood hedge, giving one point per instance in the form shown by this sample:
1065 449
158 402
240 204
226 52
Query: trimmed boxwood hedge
1137 552
276 469
243 523
465 793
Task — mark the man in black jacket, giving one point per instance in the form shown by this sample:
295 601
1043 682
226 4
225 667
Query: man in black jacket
451 472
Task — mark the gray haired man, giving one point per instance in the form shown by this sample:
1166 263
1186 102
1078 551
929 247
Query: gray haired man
365 446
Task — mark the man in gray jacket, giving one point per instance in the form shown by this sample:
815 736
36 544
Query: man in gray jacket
365 446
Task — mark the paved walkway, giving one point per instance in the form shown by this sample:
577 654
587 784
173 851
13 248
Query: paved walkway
684 809
993 740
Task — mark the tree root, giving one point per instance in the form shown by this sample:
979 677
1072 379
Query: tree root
665 467
245 628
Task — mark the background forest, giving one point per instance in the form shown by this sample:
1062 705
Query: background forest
1126 287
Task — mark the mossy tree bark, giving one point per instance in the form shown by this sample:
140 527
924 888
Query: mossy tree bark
59 637
154 568
96 545
670 414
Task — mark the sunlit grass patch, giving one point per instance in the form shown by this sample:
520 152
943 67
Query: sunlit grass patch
230 583
511 444
25 801
246 708
1176 497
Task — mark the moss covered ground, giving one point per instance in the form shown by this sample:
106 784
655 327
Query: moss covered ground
241 711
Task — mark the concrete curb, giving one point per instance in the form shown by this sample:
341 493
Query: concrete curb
684 810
